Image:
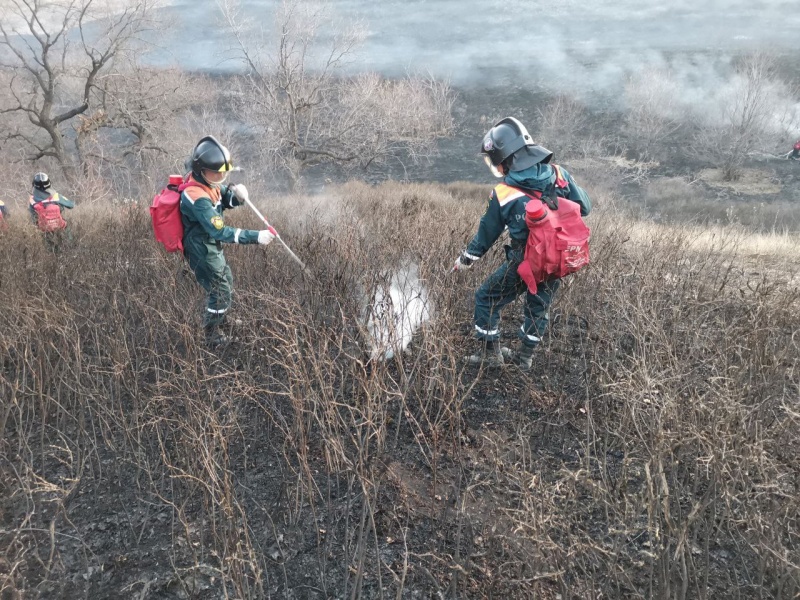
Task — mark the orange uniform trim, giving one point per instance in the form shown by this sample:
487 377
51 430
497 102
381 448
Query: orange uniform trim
561 181
506 193
196 190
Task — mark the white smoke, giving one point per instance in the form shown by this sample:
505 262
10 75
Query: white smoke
395 310
716 95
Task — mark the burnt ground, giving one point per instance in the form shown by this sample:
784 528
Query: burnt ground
101 504
110 537
113 536
457 159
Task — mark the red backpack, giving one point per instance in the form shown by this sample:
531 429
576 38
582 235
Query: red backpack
558 239
165 211
48 215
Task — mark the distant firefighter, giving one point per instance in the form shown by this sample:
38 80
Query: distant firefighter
46 206
795 153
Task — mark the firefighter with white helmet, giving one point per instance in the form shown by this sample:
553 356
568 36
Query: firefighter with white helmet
46 207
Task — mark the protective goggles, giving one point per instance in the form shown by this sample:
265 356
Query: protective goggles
495 170
215 177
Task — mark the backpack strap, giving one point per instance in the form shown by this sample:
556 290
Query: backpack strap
560 183
505 193
48 200
550 198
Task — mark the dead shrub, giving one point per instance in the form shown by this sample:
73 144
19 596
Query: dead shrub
650 454
653 112
562 125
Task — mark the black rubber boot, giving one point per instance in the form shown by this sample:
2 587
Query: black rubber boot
489 355
523 357
214 338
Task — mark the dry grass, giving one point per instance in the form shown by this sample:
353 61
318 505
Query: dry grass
680 201
752 182
651 453
616 167
741 245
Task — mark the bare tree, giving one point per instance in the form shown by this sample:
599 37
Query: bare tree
653 112
308 111
55 54
562 125
751 109
138 118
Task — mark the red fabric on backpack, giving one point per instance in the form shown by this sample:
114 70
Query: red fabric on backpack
165 212
48 216
558 241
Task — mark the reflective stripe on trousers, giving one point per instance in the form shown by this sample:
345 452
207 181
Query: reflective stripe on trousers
503 287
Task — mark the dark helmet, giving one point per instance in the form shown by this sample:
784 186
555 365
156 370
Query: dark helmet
210 154
41 182
510 143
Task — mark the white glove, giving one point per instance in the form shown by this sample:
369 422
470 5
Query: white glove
241 193
265 237
461 265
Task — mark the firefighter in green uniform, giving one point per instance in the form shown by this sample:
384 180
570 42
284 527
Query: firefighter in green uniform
46 207
524 166
202 204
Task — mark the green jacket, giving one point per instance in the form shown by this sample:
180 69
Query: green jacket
203 222
50 196
506 208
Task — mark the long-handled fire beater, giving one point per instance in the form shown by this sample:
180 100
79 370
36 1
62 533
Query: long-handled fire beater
272 230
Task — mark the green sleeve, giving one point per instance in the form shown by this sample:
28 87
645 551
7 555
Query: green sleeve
578 194
213 224
228 198
489 229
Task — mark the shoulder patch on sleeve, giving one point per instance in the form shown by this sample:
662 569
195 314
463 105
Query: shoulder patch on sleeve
217 222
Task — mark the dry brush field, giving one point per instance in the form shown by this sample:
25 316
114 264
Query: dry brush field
650 453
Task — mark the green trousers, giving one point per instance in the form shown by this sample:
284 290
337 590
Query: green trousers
213 273
55 241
